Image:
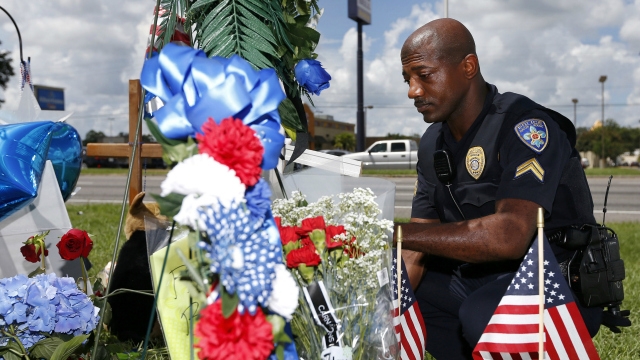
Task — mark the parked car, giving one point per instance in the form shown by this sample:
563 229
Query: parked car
585 163
388 154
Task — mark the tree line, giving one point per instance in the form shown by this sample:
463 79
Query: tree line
617 139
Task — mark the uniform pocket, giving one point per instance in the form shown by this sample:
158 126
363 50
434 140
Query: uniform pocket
476 194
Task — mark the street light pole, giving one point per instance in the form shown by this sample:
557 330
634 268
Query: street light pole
603 161
575 116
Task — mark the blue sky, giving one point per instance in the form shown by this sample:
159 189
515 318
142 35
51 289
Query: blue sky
549 50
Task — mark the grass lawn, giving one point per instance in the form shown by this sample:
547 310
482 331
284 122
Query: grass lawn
101 221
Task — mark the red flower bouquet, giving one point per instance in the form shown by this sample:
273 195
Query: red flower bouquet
29 253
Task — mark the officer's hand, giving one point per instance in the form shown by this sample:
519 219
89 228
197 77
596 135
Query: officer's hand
613 321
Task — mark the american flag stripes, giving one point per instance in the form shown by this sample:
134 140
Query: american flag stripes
512 332
409 325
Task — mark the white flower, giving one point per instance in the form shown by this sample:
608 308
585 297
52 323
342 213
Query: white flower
205 182
201 174
284 296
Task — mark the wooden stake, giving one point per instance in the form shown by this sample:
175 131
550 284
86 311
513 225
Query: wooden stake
124 150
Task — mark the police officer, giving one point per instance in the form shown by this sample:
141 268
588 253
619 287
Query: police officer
498 157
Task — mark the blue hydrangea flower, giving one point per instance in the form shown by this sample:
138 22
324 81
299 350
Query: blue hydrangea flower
44 304
258 199
312 76
241 253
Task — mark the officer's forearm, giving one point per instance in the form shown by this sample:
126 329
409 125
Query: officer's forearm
502 236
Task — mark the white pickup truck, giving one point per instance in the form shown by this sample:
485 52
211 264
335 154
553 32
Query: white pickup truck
388 154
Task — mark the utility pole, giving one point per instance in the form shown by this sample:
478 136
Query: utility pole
603 161
575 116
360 11
446 8
111 126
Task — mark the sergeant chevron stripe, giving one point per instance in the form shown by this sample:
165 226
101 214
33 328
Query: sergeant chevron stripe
533 166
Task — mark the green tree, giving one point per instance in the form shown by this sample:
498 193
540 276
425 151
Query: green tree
617 139
6 70
93 137
345 141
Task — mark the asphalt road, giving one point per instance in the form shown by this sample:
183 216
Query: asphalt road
623 203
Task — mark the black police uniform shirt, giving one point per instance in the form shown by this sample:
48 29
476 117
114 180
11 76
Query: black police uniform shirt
523 170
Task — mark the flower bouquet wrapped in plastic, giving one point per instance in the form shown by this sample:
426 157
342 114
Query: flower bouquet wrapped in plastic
338 250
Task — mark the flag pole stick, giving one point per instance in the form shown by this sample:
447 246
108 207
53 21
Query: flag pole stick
399 274
541 282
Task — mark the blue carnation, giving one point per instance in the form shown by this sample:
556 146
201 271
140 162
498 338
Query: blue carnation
258 200
312 76
241 253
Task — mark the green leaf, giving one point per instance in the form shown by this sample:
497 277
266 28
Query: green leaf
255 57
289 115
64 350
177 153
37 271
212 42
302 6
219 21
169 205
259 9
6 351
252 22
159 136
195 276
199 4
280 352
45 348
252 37
229 303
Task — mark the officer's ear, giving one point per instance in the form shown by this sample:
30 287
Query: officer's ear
470 66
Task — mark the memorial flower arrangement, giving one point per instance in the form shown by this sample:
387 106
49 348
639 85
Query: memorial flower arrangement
227 134
338 254
43 316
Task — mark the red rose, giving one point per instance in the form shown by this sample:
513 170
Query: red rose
74 243
310 224
243 336
305 255
29 253
233 144
332 231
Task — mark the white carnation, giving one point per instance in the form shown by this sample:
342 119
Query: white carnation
200 175
284 296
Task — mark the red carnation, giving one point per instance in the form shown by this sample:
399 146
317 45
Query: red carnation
278 221
332 231
243 336
75 243
310 224
29 253
288 234
306 254
233 144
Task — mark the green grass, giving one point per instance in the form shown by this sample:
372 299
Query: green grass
615 171
101 221
117 171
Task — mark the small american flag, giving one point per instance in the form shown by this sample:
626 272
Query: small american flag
512 332
409 326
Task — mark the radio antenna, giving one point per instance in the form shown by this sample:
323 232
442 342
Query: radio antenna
606 196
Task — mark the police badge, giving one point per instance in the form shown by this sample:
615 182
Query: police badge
533 133
475 161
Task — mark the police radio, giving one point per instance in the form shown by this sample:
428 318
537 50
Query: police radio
445 172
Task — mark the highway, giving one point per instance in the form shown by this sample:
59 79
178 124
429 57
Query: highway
623 203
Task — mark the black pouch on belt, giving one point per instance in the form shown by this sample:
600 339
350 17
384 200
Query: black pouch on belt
596 270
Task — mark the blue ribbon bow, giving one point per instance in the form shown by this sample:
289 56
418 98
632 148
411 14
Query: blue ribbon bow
195 88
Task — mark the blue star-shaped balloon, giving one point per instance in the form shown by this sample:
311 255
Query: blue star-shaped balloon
24 149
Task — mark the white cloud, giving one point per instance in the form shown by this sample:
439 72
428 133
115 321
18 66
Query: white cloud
551 51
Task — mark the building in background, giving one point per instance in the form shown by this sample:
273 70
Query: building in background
324 129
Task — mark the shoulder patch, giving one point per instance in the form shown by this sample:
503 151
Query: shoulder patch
533 166
533 133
